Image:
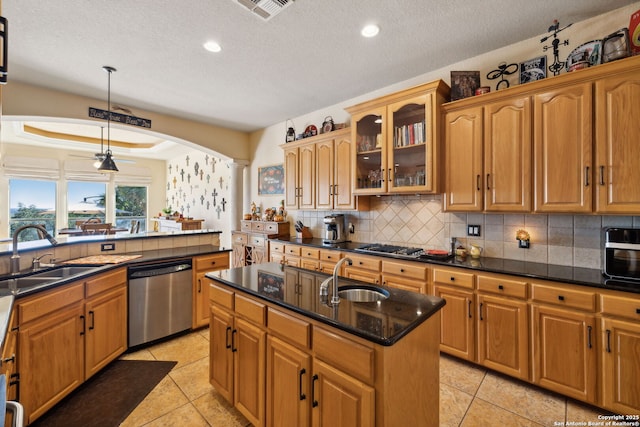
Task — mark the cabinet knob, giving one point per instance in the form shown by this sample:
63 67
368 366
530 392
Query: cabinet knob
402 270
561 297
452 278
501 287
637 310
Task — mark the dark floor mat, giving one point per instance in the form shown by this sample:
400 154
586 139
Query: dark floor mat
106 399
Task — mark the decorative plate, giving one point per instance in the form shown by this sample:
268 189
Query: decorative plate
310 130
589 51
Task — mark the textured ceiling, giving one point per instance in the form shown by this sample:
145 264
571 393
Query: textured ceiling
308 57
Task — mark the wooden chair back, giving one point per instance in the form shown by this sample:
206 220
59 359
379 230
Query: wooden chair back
95 228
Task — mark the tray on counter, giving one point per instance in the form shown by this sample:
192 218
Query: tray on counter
102 259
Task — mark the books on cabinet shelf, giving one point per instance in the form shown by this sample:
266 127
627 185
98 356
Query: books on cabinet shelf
411 134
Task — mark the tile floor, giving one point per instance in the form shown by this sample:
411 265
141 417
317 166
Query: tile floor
469 395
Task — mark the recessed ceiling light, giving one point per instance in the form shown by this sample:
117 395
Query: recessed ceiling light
370 30
212 46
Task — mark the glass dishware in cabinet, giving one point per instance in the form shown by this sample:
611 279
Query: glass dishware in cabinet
370 158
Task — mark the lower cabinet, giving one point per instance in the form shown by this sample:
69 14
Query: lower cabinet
66 335
201 266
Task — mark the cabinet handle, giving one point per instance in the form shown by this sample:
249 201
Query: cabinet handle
480 311
478 182
199 285
335 190
389 175
586 176
589 337
226 338
601 175
9 359
402 270
561 297
92 314
452 278
233 341
469 309
637 310
300 393
501 287
314 402
608 341
15 381
488 188
84 324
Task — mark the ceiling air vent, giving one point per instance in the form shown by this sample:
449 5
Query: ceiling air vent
265 9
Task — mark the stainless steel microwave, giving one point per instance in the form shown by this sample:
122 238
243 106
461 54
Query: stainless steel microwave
621 257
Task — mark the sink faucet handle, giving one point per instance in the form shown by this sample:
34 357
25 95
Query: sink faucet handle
36 261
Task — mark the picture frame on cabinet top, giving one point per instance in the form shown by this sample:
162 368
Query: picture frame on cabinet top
533 69
464 84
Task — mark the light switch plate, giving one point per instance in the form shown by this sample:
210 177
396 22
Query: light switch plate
473 230
108 247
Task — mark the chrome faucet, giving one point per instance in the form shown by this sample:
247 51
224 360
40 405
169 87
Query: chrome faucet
42 232
335 299
36 264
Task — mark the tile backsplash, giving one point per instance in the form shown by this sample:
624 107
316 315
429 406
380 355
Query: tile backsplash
572 240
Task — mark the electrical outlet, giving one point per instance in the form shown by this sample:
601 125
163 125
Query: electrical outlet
108 247
473 230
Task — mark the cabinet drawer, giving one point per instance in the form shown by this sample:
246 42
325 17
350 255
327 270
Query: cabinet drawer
621 306
271 227
310 253
257 241
292 250
564 296
239 238
330 256
353 358
106 281
412 271
250 309
257 226
245 225
212 262
500 286
276 247
452 277
221 296
49 301
365 263
288 327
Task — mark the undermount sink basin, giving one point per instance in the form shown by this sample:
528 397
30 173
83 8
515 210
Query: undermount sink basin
63 272
363 293
44 277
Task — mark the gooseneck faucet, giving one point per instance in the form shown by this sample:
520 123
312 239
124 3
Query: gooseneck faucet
335 299
15 258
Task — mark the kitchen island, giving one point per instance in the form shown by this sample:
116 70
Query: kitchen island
285 356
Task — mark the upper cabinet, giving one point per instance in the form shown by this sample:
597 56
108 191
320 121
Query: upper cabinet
488 157
618 142
396 141
569 140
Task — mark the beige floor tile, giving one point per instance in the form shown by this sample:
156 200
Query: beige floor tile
186 415
454 404
143 354
525 400
164 398
184 349
484 414
461 375
218 412
581 412
205 333
193 379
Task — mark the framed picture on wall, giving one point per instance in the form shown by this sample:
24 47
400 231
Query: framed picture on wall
271 180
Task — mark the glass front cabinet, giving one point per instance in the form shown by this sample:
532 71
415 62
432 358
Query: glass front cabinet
396 141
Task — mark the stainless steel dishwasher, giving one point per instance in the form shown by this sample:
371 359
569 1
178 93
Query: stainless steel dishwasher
160 300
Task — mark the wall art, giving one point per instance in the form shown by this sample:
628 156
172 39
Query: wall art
271 180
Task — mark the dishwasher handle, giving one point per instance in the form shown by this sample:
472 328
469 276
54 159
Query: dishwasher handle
151 270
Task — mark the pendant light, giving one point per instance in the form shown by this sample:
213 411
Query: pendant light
108 165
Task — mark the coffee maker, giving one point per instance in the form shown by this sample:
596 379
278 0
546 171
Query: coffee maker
334 229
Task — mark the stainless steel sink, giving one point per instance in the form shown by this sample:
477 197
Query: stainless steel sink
357 293
44 277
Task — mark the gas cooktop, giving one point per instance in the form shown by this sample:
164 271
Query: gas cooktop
400 251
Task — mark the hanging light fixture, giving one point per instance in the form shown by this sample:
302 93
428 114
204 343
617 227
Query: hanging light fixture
108 165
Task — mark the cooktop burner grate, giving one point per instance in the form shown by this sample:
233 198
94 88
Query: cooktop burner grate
392 250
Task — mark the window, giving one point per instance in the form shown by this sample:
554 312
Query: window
31 202
131 206
85 200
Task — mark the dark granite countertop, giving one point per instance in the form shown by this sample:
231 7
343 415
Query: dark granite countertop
535 270
382 322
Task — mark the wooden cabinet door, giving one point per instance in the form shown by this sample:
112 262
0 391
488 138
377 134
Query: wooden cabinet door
106 337
291 188
343 197
220 354
463 152
9 351
503 335
617 148
324 174
564 354
620 366
51 359
249 374
339 400
563 167
457 335
507 156
289 385
201 300
306 177
238 255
